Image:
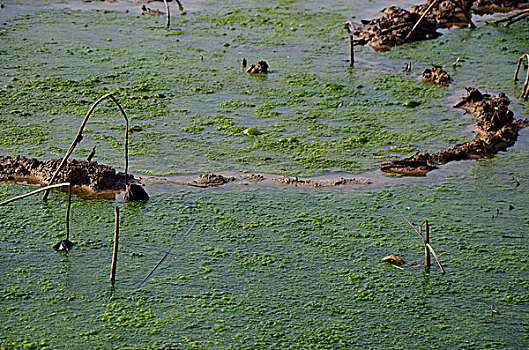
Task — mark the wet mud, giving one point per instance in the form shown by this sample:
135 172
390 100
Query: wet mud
422 22
497 130
80 173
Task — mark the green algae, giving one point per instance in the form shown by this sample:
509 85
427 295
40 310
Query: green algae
268 267
253 274
163 87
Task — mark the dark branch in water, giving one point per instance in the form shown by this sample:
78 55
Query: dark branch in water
164 257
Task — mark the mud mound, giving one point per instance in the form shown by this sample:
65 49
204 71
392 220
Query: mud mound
95 176
497 131
436 75
421 22
207 180
260 67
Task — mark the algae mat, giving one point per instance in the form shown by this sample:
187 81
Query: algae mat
273 268
276 267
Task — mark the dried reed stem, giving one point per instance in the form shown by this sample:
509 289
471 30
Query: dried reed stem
348 26
427 262
420 19
419 232
79 137
351 51
168 22
163 259
525 55
68 212
115 250
47 188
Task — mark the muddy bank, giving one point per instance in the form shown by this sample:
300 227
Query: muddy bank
80 173
422 22
497 130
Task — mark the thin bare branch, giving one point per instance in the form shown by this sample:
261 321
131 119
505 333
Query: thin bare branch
408 221
436 258
47 188
164 257
525 55
420 20
79 137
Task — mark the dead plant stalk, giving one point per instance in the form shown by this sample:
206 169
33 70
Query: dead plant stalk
79 137
426 239
525 89
420 20
349 27
168 22
115 250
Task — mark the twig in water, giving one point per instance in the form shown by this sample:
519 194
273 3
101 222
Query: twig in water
115 250
420 20
427 246
63 244
349 27
168 21
47 188
525 89
79 137
513 18
164 257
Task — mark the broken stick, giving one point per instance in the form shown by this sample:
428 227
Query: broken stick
420 19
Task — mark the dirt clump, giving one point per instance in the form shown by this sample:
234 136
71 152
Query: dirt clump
393 29
496 131
436 75
421 22
258 68
488 7
81 173
208 180
151 12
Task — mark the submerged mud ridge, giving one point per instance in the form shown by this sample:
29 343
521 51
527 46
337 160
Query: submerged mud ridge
496 127
321 183
261 180
421 22
81 173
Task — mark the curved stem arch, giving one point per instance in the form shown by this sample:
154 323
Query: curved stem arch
79 137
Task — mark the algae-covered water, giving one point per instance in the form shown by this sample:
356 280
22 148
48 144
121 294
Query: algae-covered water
263 266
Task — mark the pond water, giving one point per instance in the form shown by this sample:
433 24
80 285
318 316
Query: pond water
265 265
